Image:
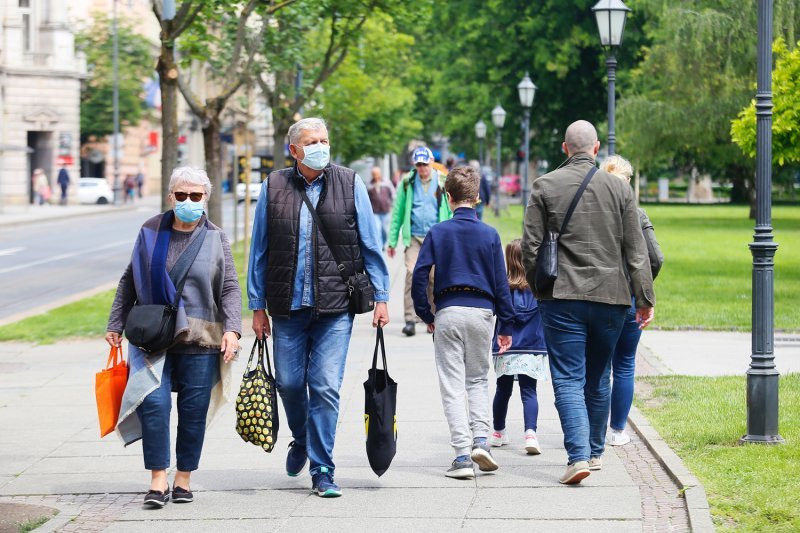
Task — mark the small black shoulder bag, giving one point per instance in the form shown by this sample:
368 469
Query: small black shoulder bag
547 255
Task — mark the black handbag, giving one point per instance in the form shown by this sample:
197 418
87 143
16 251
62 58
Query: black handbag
380 412
547 254
359 287
257 419
151 327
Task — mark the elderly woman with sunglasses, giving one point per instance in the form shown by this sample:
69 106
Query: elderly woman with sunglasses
206 337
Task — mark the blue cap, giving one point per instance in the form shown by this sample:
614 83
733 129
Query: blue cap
422 155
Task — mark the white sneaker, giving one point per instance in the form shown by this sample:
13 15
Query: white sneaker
617 437
532 443
498 438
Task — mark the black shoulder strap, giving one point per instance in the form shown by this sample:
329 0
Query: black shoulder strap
180 271
577 197
318 222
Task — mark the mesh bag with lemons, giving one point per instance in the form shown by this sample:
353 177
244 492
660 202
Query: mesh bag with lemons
257 402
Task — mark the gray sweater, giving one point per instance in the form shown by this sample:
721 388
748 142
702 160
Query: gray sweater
231 304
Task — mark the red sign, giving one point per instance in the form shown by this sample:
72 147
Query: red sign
65 160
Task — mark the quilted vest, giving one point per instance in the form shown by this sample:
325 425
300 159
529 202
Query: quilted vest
337 210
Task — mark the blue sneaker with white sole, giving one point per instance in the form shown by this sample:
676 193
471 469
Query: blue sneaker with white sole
322 484
296 459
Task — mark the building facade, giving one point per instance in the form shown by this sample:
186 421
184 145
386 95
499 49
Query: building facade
40 84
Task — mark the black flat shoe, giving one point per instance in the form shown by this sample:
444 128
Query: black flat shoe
156 499
181 495
409 330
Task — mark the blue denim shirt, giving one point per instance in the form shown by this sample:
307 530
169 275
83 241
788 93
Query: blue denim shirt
303 292
425 209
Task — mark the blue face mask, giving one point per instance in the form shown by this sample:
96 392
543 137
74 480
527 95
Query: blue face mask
189 211
317 156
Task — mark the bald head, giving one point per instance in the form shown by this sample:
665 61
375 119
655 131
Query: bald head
581 137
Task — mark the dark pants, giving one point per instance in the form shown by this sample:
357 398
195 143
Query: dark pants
623 365
530 403
191 376
581 337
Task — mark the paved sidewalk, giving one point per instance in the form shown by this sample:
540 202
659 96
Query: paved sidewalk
50 454
16 215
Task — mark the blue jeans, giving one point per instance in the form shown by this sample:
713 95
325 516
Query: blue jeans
623 365
580 340
479 210
191 376
310 353
530 402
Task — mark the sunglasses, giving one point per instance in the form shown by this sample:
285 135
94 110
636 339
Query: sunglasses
181 196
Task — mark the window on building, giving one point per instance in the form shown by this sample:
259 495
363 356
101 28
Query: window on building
26 32
24 3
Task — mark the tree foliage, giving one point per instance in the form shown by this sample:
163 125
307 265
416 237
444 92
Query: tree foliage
786 111
473 53
135 66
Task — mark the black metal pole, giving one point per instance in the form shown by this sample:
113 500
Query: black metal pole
762 376
499 172
611 67
115 104
526 164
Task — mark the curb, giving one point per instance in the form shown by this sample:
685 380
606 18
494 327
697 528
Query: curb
63 216
693 492
58 303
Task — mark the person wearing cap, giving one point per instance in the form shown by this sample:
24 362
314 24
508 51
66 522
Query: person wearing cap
418 205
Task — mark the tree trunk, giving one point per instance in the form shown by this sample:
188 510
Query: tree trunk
213 148
168 78
278 142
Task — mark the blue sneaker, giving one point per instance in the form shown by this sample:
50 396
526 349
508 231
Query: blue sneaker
296 459
322 483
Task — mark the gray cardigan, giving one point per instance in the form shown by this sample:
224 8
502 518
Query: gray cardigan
603 236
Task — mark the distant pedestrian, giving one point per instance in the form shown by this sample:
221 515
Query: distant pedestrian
63 181
207 332
623 362
419 204
584 310
139 183
470 286
526 362
130 187
41 186
381 196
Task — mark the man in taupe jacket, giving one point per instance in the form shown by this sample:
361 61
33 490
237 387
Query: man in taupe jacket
584 311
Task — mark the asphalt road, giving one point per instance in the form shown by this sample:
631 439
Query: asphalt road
52 261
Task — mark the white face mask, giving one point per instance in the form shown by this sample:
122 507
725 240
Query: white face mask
316 156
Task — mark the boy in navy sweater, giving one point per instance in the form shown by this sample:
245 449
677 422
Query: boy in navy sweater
469 287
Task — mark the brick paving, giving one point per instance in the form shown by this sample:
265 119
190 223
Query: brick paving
92 512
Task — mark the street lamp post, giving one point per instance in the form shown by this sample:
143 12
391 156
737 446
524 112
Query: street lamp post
610 15
480 133
498 119
526 90
115 103
762 376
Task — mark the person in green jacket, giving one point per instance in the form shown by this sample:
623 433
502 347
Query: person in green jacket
419 204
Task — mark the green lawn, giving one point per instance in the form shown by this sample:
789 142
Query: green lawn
706 278
749 488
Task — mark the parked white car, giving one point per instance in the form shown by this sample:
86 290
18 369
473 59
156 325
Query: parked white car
94 191
255 190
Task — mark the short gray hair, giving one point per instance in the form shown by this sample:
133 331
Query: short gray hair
191 176
580 137
311 123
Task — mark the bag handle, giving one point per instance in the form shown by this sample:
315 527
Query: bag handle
261 344
114 356
379 342
577 198
313 211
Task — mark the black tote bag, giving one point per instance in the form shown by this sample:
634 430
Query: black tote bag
380 419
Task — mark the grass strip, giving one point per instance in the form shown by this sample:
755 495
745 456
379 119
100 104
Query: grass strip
751 487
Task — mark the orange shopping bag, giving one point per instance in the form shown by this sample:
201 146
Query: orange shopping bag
109 385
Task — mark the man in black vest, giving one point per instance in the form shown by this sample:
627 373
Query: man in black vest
293 275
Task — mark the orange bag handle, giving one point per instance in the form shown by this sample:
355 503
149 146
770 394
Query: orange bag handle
114 356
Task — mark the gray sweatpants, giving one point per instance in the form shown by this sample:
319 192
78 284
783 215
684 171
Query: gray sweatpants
463 345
